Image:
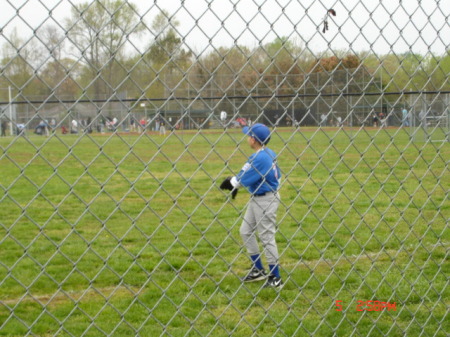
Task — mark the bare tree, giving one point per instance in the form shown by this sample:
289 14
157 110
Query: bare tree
98 34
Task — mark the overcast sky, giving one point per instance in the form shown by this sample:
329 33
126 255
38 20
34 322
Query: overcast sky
407 25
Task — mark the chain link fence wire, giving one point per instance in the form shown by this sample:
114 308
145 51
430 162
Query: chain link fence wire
119 120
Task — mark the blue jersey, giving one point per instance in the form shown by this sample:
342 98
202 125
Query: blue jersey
261 173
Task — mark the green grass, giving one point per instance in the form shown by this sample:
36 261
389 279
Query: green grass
129 234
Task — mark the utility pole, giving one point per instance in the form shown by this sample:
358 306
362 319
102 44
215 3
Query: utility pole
10 111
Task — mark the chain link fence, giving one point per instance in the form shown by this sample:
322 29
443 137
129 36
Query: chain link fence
120 119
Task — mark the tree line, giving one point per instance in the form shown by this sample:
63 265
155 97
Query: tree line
95 53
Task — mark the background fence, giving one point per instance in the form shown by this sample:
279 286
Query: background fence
110 226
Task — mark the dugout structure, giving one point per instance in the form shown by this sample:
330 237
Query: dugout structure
346 97
283 100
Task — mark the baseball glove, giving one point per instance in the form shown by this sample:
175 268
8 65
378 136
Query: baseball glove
226 185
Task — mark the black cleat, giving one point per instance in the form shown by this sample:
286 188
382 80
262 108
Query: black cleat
274 282
255 275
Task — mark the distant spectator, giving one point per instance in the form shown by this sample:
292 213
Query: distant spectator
162 127
143 123
405 117
323 120
20 129
4 127
288 121
110 124
383 120
223 116
42 128
242 122
375 120
88 125
53 124
101 126
74 126
423 120
277 119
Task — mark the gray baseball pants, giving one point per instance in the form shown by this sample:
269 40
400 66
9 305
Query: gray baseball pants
260 219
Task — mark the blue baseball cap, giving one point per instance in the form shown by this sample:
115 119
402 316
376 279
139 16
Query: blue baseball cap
258 131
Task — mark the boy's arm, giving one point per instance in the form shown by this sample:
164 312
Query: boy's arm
236 180
250 174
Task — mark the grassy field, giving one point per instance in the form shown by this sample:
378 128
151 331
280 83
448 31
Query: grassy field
129 235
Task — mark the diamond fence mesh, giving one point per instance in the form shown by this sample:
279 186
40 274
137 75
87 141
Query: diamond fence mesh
120 119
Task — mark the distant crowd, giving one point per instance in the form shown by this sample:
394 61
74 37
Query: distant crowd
160 124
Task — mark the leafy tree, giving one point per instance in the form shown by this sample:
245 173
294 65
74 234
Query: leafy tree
329 64
282 65
439 71
402 72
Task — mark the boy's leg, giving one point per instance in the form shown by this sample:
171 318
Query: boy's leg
248 230
266 219
266 222
248 234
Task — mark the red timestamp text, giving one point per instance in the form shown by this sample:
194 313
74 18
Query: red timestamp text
369 306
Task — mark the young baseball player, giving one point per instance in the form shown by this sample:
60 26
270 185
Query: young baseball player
261 177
